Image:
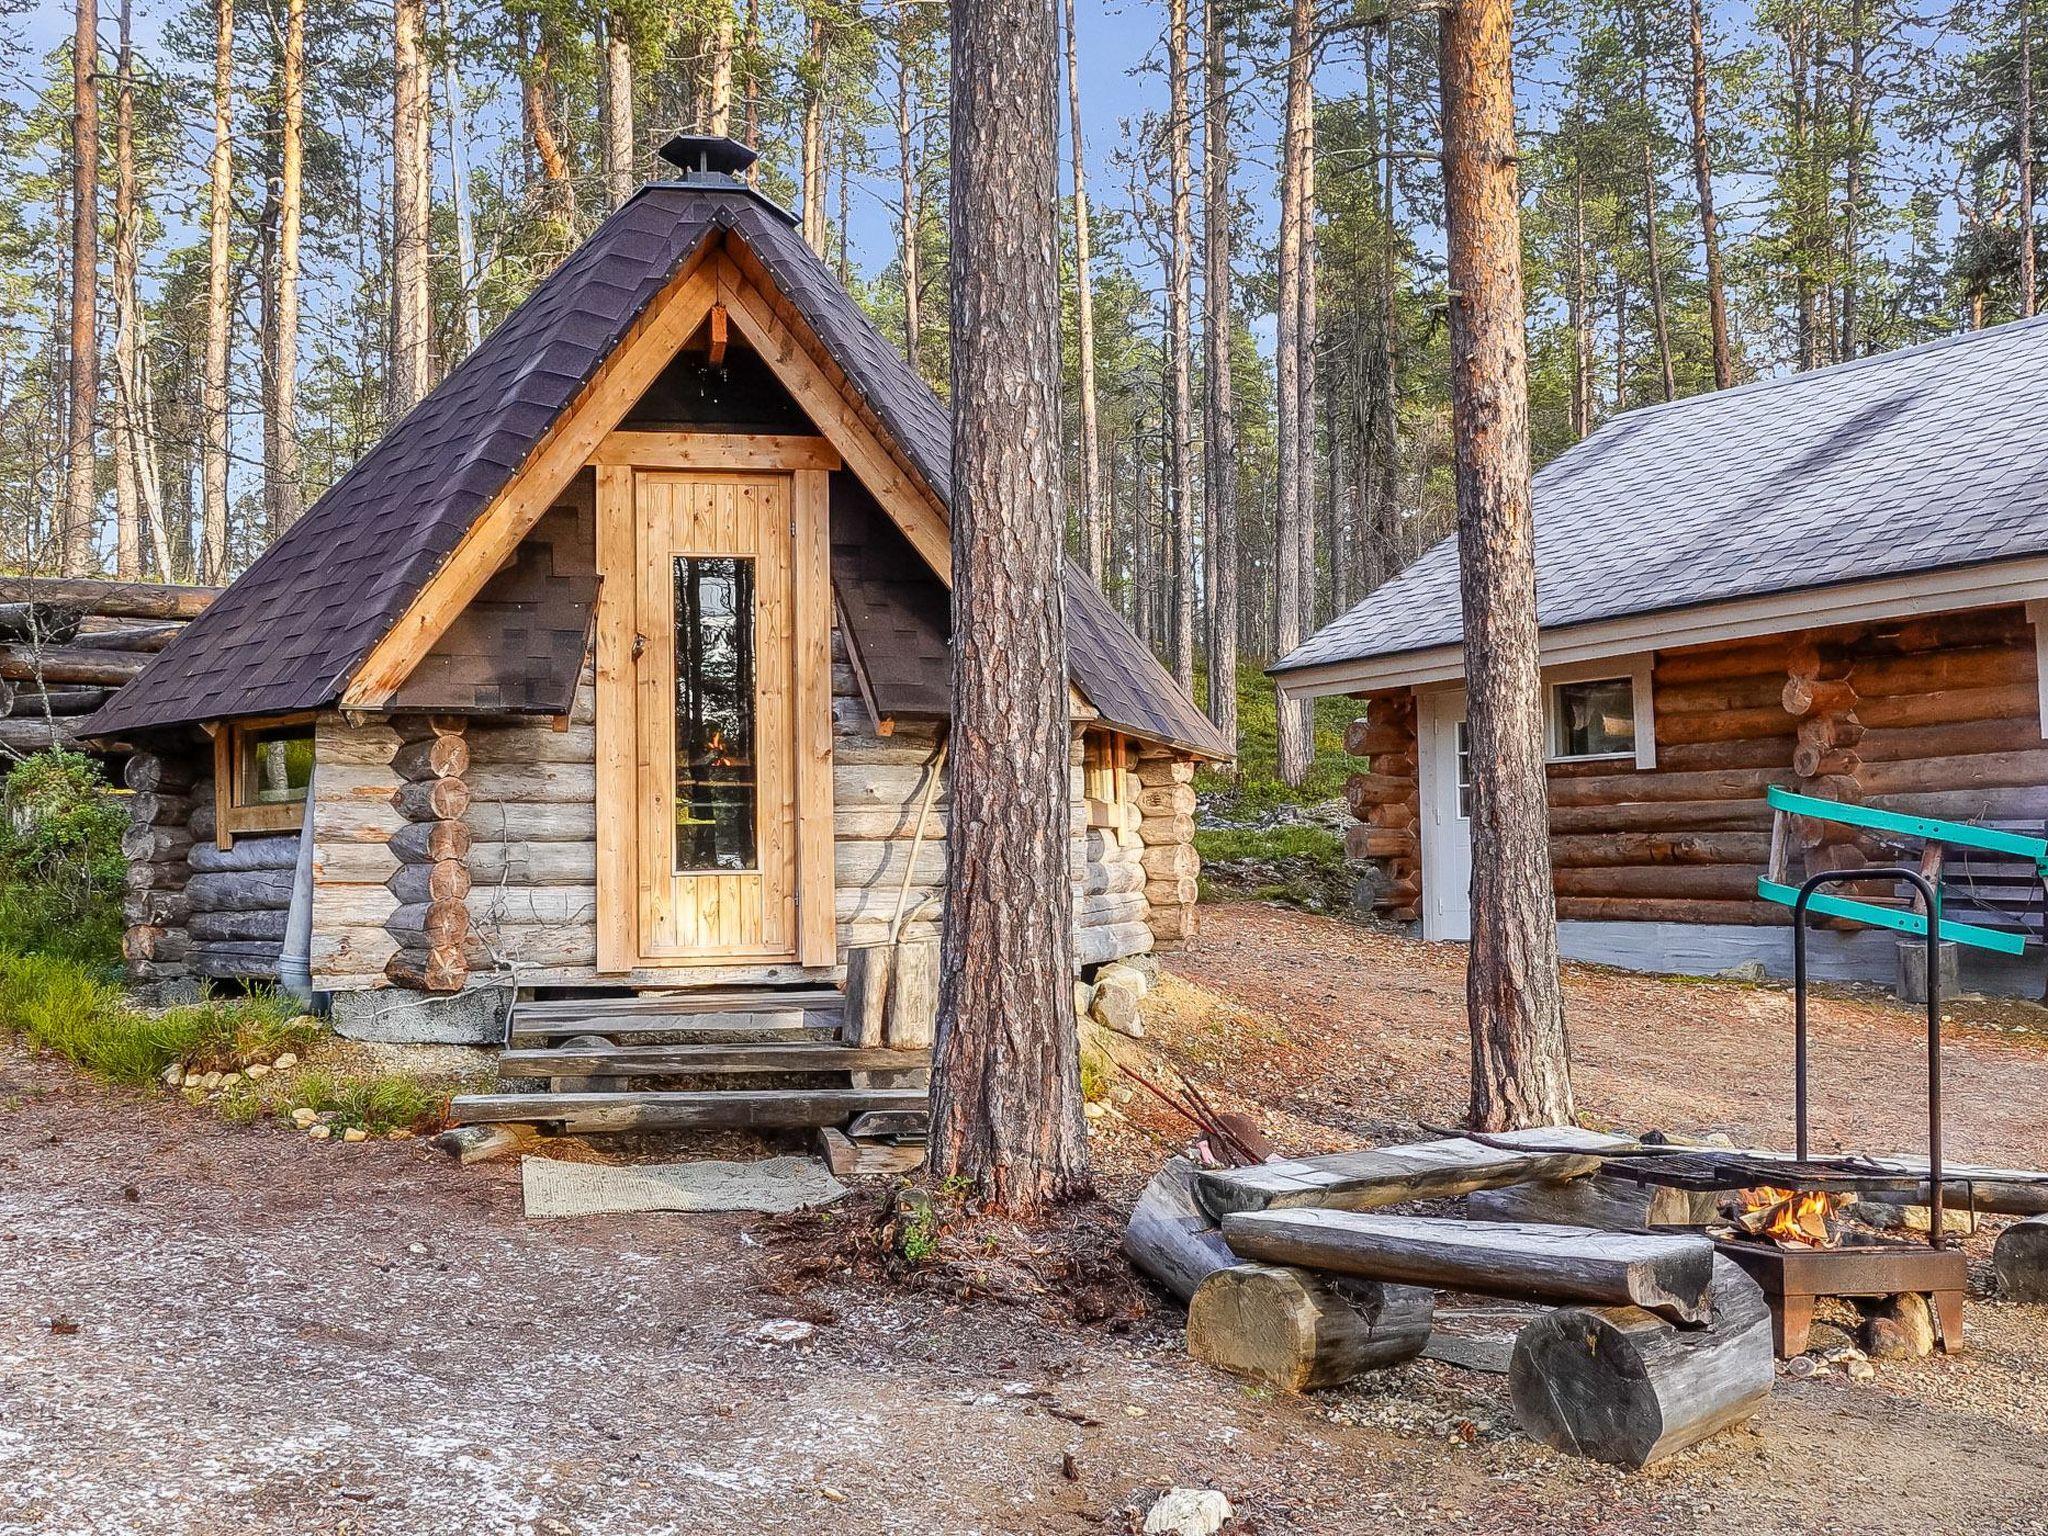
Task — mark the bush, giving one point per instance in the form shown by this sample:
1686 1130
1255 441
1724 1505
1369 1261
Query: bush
60 860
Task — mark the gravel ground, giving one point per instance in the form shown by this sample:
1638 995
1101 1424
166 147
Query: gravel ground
215 1330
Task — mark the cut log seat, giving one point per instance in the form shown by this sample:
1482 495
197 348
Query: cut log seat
2021 1259
1620 1385
1668 1275
1376 1177
1170 1237
1299 1331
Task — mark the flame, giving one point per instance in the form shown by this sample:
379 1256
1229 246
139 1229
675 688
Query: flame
1796 1218
718 752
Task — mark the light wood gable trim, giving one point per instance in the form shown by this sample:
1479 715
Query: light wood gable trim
739 451
491 540
837 414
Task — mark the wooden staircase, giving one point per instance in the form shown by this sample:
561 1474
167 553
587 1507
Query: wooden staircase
739 1058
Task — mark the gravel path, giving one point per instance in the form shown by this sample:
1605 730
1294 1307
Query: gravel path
277 1336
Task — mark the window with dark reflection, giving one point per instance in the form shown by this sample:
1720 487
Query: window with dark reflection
715 783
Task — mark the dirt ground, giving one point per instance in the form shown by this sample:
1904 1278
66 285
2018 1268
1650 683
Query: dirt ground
206 1329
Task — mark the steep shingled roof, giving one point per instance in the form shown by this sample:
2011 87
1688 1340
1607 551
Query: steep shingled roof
1892 465
292 630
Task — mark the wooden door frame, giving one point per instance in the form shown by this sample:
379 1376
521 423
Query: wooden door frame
808 461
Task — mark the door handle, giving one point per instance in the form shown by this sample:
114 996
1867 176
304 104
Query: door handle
639 645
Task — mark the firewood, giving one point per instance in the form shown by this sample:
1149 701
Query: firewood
152 943
1619 1384
1298 1331
1171 1238
432 800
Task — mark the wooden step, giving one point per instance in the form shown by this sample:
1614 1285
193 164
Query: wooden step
707 1056
678 1003
766 1109
800 1014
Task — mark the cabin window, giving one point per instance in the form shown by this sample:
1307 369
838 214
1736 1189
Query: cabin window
1593 718
1102 764
715 773
263 772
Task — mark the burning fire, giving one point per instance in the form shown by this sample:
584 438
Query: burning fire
1795 1218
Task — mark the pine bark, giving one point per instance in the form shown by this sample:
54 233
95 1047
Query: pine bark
81 500
213 409
283 498
127 313
1006 1099
1219 425
458 199
618 108
1094 522
1291 489
1659 312
907 178
814 228
1703 190
1180 128
1520 1071
718 119
1856 132
407 380
1384 558
2026 161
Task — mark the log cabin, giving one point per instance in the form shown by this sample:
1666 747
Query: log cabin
612 685
1835 581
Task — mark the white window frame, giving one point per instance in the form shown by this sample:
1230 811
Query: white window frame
2037 615
1634 670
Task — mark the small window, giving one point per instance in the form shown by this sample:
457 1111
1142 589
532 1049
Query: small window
1596 718
1464 771
262 775
1102 763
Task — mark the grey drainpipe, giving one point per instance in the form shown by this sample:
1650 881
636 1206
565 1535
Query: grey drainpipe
295 963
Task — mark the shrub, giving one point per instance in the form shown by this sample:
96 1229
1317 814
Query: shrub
60 860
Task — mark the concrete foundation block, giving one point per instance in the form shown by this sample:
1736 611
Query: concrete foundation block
1912 985
397 1016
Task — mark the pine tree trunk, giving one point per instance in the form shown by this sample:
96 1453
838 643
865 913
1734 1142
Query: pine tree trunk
1703 188
1797 44
81 500
1292 490
718 120
1385 519
1094 528
1660 316
814 229
1219 426
618 108
127 471
1520 1072
458 198
1180 131
1006 1092
407 380
2026 160
540 104
1309 341
1581 309
1856 129
753 45
283 497
908 231
213 409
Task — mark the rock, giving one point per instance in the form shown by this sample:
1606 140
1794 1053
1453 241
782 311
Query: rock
256 1071
1094 1109
1115 1006
208 1081
1146 966
1745 970
1889 1217
286 1061
174 1074
789 1331
1803 1366
401 1134
1188 1512
1119 973
319 1132
228 1079
355 1133
1900 1328
1083 994
304 1116
1859 1369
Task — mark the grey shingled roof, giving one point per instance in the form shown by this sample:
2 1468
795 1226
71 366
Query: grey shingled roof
1892 465
293 629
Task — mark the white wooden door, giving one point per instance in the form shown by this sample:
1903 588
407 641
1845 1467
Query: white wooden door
1446 787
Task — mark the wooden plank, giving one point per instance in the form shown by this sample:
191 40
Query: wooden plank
637 449
681 1003
709 1057
817 934
1375 1177
766 1109
1665 1274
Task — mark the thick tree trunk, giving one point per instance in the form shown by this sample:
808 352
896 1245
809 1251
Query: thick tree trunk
1520 1072
127 312
1180 129
282 496
213 389
1006 1091
1659 312
718 120
2026 162
618 108
1094 524
540 102
813 209
407 381
1703 189
1309 341
1292 489
81 500
1219 426
1386 542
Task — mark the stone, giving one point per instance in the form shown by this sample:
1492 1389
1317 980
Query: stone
1146 966
1083 994
1094 1109
1889 1216
1123 974
401 1134
1859 1369
304 1116
1188 1512
1900 1328
355 1133
1115 1006
174 1074
396 1016
228 1079
319 1132
788 1331
208 1081
256 1071
286 1061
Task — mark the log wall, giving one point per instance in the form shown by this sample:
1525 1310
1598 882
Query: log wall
1939 715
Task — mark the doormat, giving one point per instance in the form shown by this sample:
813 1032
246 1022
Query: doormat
777 1184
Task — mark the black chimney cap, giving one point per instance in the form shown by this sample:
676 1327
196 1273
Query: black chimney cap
708 155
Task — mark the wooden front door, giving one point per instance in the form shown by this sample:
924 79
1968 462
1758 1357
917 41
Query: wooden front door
715 688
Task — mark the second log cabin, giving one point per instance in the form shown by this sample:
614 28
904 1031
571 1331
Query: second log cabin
1835 581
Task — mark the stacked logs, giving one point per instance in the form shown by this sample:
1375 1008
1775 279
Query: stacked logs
431 921
156 942
1166 826
1387 801
241 901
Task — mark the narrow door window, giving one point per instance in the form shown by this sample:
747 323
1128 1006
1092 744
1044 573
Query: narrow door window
715 771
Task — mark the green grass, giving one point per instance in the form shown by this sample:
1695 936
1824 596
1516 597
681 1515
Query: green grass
389 1101
1298 840
1256 789
64 1007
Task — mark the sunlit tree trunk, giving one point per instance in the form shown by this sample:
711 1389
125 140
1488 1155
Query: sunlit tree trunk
281 480
81 499
458 198
1293 491
718 120
1094 534
907 227
213 408
1219 426
1006 1092
618 108
128 516
1520 1067
1855 131
408 379
2026 159
1180 129
1703 189
1386 404
1659 315
813 82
